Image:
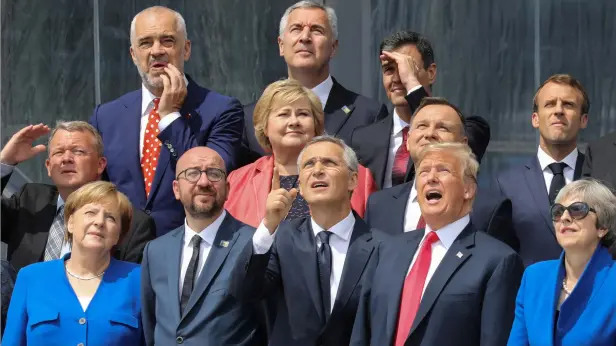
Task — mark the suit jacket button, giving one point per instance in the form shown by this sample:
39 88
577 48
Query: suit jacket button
179 339
147 211
82 320
80 344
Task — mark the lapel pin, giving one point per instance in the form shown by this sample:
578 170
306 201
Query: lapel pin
188 116
346 110
224 243
459 254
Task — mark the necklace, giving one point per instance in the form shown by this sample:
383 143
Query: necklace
81 277
567 291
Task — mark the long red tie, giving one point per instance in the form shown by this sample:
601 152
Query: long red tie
401 160
413 289
151 148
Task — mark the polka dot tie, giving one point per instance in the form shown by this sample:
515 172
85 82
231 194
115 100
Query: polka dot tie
151 148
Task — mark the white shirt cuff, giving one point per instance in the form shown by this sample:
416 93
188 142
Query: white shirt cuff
408 93
167 120
5 169
262 240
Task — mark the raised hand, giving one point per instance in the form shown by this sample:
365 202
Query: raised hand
174 91
408 70
19 148
278 204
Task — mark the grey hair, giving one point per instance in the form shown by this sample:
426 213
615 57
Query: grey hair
180 23
349 156
600 198
462 152
331 15
79 126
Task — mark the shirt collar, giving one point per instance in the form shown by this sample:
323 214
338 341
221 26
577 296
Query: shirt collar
322 90
60 203
208 234
413 195
448 234
342 229
147 97
545 160
399 124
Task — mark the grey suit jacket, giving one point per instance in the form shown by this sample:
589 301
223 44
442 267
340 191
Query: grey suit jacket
212 316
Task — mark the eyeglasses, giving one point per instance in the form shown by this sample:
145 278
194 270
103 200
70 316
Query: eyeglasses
577 210
194 174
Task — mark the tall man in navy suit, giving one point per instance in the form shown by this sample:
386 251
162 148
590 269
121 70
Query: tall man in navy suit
560 112
308 40
446 284
186 273
311 266
147 130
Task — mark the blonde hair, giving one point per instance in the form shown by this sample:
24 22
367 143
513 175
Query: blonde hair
462 152
98 192
284 91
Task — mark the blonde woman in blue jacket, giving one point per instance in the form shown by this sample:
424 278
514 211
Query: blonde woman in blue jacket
87 297
572 301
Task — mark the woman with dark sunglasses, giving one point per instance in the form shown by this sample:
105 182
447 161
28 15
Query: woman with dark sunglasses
572 301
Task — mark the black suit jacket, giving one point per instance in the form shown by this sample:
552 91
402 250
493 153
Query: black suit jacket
470 299
289 272
600 161
27 218
387 208
360 111
371 142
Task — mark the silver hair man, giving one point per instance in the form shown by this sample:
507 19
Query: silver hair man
350 158
331 15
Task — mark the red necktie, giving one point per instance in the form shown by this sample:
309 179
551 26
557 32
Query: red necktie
421 223
401 160
151 148
413 289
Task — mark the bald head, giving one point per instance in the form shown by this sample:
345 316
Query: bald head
200 157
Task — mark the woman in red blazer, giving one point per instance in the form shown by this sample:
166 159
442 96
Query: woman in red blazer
286 117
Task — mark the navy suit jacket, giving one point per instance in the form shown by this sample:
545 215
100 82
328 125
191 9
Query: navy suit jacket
469 300
212 316
599 162
289 272
587 317
208 119
360 111
532 224
45 311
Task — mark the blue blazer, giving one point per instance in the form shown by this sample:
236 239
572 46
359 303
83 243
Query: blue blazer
208 119
212 316
587 317
44 309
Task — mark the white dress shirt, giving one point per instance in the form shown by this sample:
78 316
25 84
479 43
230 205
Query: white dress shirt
147 103
545 160
446 235
323 89
339 242
413 213
207 240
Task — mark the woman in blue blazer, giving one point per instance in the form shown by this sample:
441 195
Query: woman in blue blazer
572 301
87 297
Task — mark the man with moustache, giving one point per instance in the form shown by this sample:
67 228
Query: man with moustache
409 69
560 112
444 284
311 266
308 40
186 273
33 219
147 130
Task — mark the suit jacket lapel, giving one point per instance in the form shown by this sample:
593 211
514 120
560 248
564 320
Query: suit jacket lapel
398 206
174 255
161 170
457 254
45 219
536 184
131 132
223 243
262 190
380 150
338 109
579 166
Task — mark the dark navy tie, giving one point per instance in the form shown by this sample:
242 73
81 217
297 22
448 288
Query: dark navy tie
558 181
324 256
191 273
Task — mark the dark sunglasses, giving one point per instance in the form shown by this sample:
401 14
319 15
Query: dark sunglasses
577 210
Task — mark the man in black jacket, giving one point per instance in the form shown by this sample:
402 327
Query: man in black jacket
33 219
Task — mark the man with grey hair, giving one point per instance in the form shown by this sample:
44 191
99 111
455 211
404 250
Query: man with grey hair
444 284
33 220
147 130
308 40
300 263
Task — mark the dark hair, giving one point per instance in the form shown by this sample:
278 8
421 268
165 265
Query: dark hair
565 79
429 101
402 38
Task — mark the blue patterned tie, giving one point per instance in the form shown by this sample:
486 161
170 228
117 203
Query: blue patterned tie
56 237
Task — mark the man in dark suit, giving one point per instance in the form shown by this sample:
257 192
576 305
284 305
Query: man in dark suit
186 273
409 70
600 162
145 131
446 284
33 219
311 266
7 282
308 40
560 112
396 210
